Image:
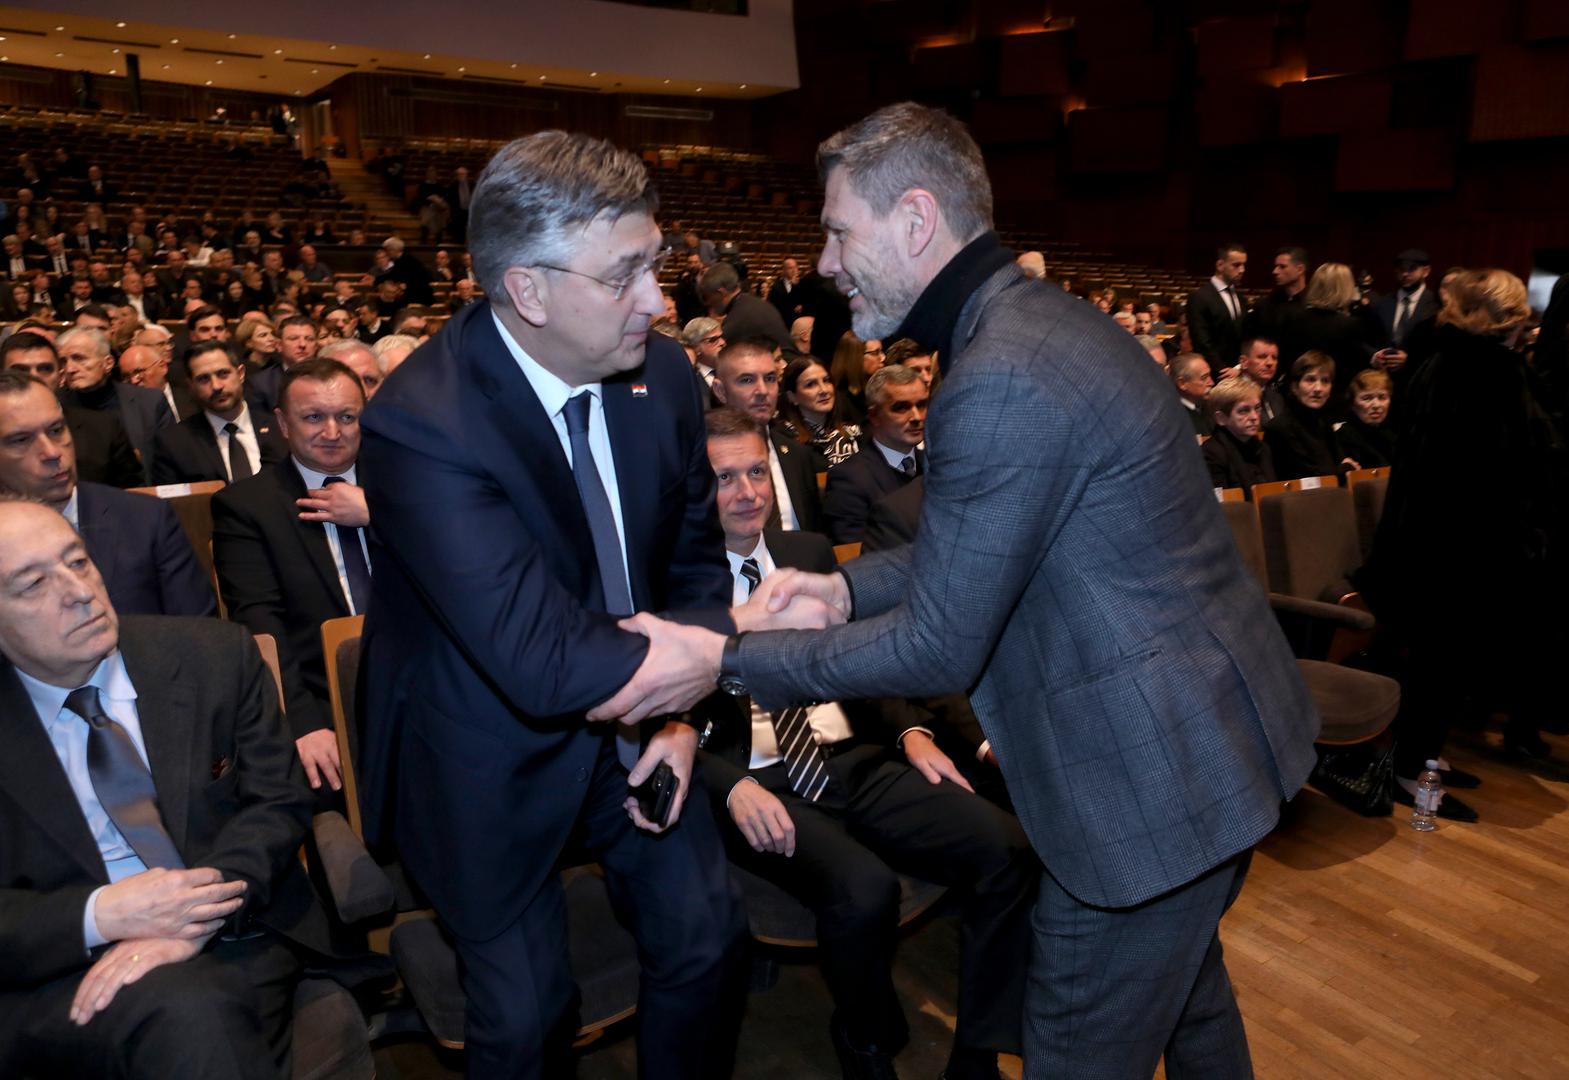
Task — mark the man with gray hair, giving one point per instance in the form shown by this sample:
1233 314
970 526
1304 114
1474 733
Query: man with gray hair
392 350
88 363
407 270
537 474
704 338
1072 572
897 398
359 358
746 317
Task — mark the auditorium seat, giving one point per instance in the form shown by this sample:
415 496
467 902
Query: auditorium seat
1368 490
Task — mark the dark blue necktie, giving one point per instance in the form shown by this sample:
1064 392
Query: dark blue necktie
607 542
596 507
123 784
354 566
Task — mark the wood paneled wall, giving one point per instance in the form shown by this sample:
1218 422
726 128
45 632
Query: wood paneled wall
48 88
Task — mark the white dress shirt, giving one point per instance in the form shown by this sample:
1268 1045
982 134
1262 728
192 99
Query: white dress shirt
1228 296
168 395
135 304
72 512
897 458
68 735
246 435
553 393
787 519
314 480
828 721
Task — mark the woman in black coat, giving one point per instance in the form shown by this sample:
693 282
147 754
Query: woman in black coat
1366 437
1302 437
1326 325
1472 533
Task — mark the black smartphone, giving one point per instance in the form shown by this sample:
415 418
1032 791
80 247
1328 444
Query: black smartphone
657 794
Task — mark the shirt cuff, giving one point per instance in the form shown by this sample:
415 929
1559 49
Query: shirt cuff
982 750
899 742
738 783
849 587
91 938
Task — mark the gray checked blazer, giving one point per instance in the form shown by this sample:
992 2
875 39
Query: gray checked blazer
1073 572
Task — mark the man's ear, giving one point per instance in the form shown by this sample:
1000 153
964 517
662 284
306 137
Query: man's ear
527 292
917 221
719 391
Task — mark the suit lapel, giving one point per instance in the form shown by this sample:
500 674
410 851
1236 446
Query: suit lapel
290 485
201 429
33 775
94 523
634 446
165 703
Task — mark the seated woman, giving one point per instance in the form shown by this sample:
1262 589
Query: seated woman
810 411
257 341
1301 438
1234 454
1365 437
854 362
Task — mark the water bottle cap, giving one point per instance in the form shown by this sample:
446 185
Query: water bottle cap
1433 765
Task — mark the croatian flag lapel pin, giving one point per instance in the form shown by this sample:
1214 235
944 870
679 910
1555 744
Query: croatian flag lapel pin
639 389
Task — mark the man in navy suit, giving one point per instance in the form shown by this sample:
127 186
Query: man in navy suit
1071 566
147 563
537 472
896 400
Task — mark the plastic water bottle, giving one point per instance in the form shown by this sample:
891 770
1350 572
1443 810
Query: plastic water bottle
1429 793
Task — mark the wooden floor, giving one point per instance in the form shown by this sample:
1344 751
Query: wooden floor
1358 948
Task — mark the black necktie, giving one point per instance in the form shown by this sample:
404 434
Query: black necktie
354 565
1403 317
907 466
805 764
1231 303
239 460
607 542
123 784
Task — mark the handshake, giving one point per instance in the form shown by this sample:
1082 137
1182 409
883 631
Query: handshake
682 665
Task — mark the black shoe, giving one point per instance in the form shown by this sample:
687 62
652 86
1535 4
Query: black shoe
1460 779
1527 744
860 1063
1450 808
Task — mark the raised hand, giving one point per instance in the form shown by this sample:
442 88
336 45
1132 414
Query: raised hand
784 586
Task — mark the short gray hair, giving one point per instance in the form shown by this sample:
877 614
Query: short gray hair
697 329
539 189
886 376
343 347
95 338
905 146
385 345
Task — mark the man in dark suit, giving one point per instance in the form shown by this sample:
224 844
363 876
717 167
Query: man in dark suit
1216 310
88 363
289 547
535 472
747 317
103 452
228 439
1397 314
746 377
1190 375
1072 567
818 813
786 294
146 364
896 402
408 271
153 913
135 540
1276 315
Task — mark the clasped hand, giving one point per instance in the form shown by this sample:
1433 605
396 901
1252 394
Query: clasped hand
682 663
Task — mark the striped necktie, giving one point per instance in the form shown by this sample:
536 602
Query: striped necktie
805 764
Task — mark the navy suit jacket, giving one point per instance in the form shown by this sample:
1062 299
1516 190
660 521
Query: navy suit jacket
188 453
854 484
486 639
1073 567
145 558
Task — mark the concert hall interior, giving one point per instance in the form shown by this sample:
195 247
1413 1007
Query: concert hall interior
1024 466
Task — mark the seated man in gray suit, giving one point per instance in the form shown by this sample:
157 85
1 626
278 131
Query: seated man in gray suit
145 558
88 363
896 402
1072 567
825 801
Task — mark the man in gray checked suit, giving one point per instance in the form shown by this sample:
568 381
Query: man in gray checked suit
1073 572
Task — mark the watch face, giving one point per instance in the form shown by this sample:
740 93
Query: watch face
732 685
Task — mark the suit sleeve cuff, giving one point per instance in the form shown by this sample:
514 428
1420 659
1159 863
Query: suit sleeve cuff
982 750
738 783
899 742
849 587
91 938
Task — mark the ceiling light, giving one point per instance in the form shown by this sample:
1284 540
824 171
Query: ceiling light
300 92
514 66
462 69
427 56
541 78
113 72
174 41
231 37
699 90
315 71
667 82
593 74
330 48
217 61
59 54
743 86
277 52
114 51
59 28
121 25
209 82
167 66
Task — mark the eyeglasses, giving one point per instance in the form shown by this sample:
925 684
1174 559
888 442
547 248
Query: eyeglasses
712 340
618 288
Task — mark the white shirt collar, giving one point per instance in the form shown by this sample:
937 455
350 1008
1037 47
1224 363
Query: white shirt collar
109 676
72 510
550 388
1415 294
895 458
1219 283
314 479
243 421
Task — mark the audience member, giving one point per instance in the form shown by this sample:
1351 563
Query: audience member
88 362
104 454
746 378
746 317
801 334
1127 320
1302 438
786 294
818 819
893 455
1260 361
1365 437
1479 472
1190 374
1274 317
391 351
810 412
360 360
1216 309
704 338
854 361
226 440
147 366
1033 263
280 537
156 916
1234 453
136 541
1327 326
912 353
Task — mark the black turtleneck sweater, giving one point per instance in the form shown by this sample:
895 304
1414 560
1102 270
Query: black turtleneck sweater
1302 441
99 398
932 319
